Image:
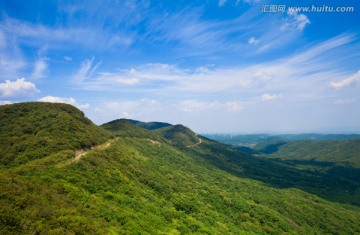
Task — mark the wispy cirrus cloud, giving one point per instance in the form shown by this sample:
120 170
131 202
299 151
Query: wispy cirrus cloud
353 79
86 71
34 34
148 76
11 58
304 73
40 67
194 35
282 31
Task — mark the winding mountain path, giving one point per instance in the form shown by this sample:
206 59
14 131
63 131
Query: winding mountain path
82 152
192 145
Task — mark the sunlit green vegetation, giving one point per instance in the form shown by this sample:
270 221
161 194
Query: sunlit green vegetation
149 125
30 131
125 128
269 146
345 152
138 186
178 135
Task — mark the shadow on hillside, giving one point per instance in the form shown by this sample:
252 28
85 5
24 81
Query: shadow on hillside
326 180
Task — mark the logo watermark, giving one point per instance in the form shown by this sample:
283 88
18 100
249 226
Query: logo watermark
303 9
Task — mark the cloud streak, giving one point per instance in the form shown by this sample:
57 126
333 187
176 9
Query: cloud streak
39 34
300 74
353 79
189 106
266 97
39 69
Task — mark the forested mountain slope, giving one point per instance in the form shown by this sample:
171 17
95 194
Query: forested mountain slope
149 125
134 185
179 135
343 152
126 128
31 131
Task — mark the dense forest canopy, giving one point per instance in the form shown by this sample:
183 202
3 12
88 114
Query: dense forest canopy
132 180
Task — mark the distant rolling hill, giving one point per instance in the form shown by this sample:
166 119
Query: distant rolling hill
268 147
179 135
344 152
251 140
132 184
128 128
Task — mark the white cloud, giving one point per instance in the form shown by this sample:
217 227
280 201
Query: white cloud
55 99
266 97
222 3
18 88
142 109
234 106
83 106
193 105
86 77
355 78
72 101
261 78
295 21
5 102
253 41
116 78
125 115
39 69
189 106
130 105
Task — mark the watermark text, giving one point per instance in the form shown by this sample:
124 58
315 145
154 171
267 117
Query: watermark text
303 9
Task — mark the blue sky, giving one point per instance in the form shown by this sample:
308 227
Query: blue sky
215 66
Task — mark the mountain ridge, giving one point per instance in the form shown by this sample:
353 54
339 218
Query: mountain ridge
134 185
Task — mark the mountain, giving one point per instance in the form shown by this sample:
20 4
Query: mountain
268 147
149 125
179 135
343 152
251 140
132 184
314 136
31 131
126 127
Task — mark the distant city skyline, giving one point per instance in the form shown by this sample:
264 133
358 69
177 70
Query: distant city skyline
223 66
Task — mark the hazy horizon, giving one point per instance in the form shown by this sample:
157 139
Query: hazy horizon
217 66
